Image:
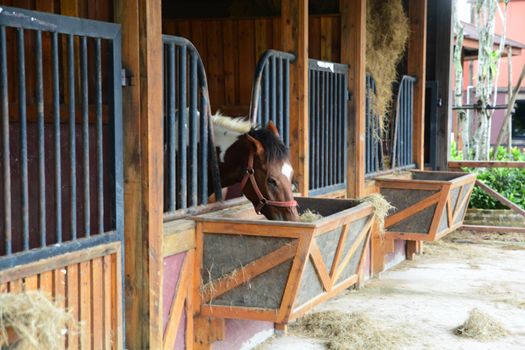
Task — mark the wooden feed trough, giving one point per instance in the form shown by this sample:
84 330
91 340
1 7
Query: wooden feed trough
250 268
428 205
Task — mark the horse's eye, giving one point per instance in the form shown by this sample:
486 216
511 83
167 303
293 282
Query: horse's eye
272 182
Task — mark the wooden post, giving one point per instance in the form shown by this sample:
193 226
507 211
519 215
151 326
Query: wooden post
417 46
416 57
353 35
443 64
142 112
294 25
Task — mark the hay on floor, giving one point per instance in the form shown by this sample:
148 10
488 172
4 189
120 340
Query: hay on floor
309 216
36 321
481 326
343 331
381 208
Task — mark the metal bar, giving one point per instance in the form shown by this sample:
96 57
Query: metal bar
4 90
172 160
204 145
100 144
266 95
318 118
280 116
41 141
182 129
310 129
194 123
57 143
23 137
287 103
72 135
273 114
330 130
85 134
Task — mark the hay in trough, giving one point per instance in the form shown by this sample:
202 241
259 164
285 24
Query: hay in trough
481 326
381 208
309 216
36 321
343 331
387 32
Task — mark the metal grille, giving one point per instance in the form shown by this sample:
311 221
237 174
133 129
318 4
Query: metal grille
188 141
61 135
271 92
403 124
391 149
327 125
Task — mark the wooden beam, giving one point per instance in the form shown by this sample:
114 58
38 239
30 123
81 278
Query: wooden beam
493 229
294 26
142 112
478 164
353 35
416 57
443 65
494 194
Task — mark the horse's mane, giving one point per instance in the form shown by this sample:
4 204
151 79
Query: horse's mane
274 148
240 124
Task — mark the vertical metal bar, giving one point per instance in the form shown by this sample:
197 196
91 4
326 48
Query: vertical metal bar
4 90
85 134
319 123
41 141
280 117
172 161
72 135
204 143
193 131
411 104
310 130
367 126
266 93
329 127
345 124
273 114
286 132
23 137
56 127
100 150
183 123
322 129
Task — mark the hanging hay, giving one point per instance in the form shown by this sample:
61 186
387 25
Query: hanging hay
387 32
342 331
36 321
309 216
481 326
381 208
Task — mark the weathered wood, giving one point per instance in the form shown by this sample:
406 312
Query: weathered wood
294 22
207 331
493 229
488 164
97 285
179 236
319 265
85 305
416 66
353 35
494 194
143 163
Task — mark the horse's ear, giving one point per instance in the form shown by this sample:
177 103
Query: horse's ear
256 144
271 127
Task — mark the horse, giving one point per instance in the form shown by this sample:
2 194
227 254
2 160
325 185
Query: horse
257 159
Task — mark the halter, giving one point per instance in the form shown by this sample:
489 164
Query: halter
250 174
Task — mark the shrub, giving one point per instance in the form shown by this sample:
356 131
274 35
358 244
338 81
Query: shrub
509 182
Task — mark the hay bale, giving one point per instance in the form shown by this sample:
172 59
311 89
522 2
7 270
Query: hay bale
481 326
381 208
343 331
37 322
387 32
309 216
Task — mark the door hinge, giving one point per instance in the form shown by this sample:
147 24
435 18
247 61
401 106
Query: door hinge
125 77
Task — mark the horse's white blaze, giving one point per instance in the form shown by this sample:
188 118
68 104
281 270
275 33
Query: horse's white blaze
227 130
287 170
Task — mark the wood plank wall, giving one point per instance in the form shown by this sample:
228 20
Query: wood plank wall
230 49
88 283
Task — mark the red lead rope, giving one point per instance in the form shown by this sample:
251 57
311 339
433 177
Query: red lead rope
250 172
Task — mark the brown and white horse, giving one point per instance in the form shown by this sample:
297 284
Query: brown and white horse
257 159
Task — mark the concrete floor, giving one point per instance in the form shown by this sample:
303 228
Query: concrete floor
432 295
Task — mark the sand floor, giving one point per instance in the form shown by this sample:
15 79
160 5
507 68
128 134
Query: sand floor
432 295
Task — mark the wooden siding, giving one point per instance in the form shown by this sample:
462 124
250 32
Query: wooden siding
230 49
88 283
